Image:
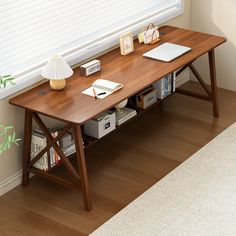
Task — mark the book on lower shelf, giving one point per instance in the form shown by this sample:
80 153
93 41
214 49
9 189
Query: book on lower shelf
51 158
164 86
69 150
38 143
54 158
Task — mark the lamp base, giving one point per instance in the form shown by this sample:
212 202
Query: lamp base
58 84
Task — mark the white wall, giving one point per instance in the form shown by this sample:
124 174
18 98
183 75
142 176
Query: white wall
217 17
9 115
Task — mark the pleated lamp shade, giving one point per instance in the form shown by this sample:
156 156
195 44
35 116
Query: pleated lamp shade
57 70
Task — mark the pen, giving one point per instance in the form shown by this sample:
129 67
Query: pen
94 92
101 93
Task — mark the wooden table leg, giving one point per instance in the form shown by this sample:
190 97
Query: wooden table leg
82 166
211 55
27 147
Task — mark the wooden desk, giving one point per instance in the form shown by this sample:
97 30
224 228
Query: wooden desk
75 108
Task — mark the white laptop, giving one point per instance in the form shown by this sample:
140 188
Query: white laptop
167 52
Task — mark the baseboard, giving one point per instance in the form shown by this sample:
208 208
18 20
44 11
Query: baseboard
10 183
182 78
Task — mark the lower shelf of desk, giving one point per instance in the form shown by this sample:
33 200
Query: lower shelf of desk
140 111
89 142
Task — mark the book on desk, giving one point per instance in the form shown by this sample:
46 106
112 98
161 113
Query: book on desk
102 88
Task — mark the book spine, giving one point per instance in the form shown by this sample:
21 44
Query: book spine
52 152
169 83
174 81
56 156
166 86
51 157
162 88
39 143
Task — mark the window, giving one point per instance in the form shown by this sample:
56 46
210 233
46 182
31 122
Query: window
32 31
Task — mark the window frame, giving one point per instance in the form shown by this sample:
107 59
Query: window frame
89 51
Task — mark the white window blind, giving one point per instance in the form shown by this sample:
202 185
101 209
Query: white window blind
31 31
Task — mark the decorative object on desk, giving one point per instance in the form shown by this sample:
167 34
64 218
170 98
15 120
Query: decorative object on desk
6 79
7 138
146 98
90 68
102 88
126 43
123 113
57 70
120 107
149 34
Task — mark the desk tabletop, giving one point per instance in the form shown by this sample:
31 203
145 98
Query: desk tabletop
134 71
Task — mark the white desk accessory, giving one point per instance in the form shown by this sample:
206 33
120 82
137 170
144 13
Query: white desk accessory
90 67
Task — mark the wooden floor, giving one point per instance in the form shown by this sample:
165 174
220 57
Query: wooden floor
121 167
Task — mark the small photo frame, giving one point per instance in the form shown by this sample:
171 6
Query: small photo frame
126 43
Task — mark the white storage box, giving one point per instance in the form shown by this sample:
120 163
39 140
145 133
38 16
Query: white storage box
101 125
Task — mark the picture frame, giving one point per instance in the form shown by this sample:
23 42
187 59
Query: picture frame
126 43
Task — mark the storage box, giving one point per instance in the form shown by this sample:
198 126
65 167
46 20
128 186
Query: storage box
146 98
101 125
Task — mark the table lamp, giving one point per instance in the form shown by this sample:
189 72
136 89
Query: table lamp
57 70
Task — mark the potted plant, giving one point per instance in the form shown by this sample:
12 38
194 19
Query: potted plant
7 138
5 80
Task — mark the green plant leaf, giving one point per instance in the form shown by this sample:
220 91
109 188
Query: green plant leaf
5 143
17 140
1 146
7 80
13 136
8 128
5 76
9 138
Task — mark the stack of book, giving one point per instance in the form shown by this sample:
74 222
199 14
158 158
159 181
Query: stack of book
164 86
67 144
38 143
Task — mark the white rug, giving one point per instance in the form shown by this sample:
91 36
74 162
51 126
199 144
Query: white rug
197 198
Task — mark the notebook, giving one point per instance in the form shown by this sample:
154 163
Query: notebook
102 88
167 52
